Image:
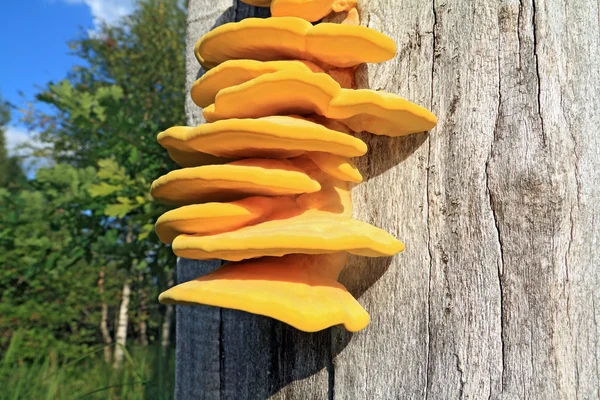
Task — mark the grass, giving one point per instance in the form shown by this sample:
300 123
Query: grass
147 373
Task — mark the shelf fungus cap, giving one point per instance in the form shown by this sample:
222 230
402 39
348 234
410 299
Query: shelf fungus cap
291 38
212 218
299 290
380 112
235 72
309 10
336 166
186 158
313 232
232 181
268 137
285 92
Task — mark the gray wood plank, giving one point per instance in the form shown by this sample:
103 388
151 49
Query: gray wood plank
389 358
498 293
197 339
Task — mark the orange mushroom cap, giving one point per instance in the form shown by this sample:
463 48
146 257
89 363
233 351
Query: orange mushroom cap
309 10
300 290
212 218
284 92
287 92
269 137
195 159
232 181
235 72
336 166
312 232
380 112
291 38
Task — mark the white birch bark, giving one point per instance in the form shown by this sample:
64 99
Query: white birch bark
104 320
122 324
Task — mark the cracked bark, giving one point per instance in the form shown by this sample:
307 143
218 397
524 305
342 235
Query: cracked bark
495 296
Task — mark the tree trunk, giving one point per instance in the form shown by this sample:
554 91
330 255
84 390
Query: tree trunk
166 326
104 319
123 321
143 312
497 294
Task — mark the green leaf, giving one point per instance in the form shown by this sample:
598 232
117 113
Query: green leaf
103 189
118 210
123 200
145 231
109 168
133 156
112 92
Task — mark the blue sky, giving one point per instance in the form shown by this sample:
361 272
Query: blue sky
33 44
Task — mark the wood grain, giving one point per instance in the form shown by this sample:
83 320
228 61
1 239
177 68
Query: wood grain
498 292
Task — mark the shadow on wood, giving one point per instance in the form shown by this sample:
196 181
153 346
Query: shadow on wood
386 152
226 353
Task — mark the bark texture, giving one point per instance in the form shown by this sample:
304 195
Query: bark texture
104 320
498 292
122 324
143 311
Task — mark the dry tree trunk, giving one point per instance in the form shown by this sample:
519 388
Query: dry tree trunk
104 319
143 311
498 293
122 324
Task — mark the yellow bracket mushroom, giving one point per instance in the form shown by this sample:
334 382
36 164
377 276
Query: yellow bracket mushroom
235 72
265 183
238 179
212 218
300 290
291 38
268 137
297 92
310 10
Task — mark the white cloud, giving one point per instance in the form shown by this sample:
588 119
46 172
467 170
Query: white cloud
108 11
16 137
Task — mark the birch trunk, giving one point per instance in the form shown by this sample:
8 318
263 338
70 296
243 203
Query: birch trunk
104 320
497 295
143 312
166 325
122 324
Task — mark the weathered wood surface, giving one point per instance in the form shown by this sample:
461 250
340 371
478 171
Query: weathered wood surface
498 293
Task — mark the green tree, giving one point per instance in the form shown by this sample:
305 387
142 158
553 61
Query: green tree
11 173
106 115
45 272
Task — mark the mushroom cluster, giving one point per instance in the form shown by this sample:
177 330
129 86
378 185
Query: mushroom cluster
265 183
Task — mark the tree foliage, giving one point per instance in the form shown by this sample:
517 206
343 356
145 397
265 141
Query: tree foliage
11 174
91 211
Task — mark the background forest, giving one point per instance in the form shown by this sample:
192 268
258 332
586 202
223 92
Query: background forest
81 267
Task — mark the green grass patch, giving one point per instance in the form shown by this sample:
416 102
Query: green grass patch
147 373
